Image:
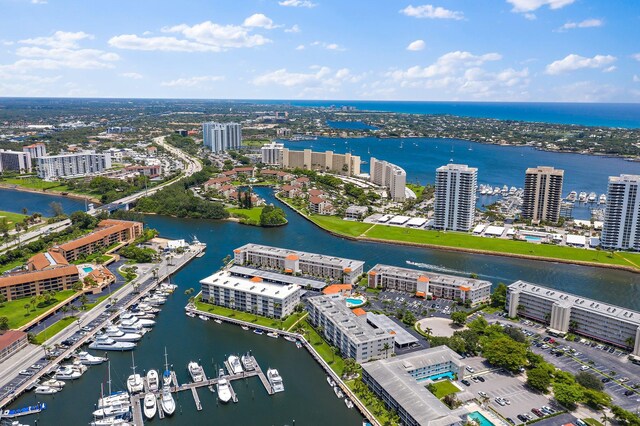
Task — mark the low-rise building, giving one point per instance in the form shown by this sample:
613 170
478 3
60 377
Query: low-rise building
290 191
350 333
34 283
216 183
318 205
344 164
152 171
19 161
356 212
11 341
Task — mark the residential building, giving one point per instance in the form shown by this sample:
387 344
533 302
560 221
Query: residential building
390 176
356 212
401 383
455 202
565 312
18 161
283 132
335 269
216 183
11 341
272 153
152 171
232 290
344 164
542 194
425 284
35 150
34 283
72 165
318 205
219 137
351 334
290 191
621 228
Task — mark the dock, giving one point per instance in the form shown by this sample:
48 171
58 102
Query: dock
159 405
263 378
137 413
196 398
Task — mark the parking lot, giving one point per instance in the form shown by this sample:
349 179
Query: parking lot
390 301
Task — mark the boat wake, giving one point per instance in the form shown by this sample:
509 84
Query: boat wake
445 270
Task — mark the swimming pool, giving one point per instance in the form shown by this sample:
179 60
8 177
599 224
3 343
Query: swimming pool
352 302
87 269
478 417
532 239
447 375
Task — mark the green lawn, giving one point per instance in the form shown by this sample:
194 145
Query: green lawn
239 315
323 348
291 319
592 422
253 214
255 142
34 183
443 388
417 189
345 227
11 265
18 316
12 218
54 329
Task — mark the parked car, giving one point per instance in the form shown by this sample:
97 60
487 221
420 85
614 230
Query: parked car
470 369
466 382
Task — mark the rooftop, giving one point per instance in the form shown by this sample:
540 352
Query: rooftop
416 274
10 336
260 288
276 277
304 256
27 277
401 336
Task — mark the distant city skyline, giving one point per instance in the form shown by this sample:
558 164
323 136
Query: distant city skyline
445 50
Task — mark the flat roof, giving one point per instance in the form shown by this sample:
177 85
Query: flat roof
494 230
401 336
433 277
276 277
304 256
417 221
258 287
384 218
576 239
398 220
478 229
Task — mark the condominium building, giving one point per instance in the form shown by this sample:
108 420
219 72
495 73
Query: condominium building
232 290
272 153
36 150
335 269
220 137
343 164
389 175
542 194
72 165
621 228
455 203
565 312
401 383
424 284
15 161
11 341
33 283
351 334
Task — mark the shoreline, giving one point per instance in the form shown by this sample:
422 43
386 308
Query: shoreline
53 193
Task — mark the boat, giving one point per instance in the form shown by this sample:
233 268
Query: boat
258 331
115 398
217 321
235 367
18 412
603 199
298 344
191 314
112 410
289 338
592 197
134 382
53 383
166 376
131 326
46 390
79 367
203 318
348 403
119 335
105 343
330 381
86 358
273 334
338 392
572 196
245 328
222 387
66 373
582 197
196 371
275 380
111 421
149 406
152 380
144 322
166 401
247 362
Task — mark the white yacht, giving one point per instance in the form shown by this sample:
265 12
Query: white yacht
87 359
131 326
79 367
603 199
53 383
144 322
46 390
234 365
152 380
134 382
149 408
66 373
196 371
111 410
110 421
275 380
222 387
120 336
117 398
167 402
105 343
191 315
247 362
203 317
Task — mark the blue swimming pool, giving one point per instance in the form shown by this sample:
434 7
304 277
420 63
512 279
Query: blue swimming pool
478 417
532 239
447 375
87 269
353 302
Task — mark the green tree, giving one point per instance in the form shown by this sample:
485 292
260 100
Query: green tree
499 296
567 394
515 334
3 300
506 352
4 323
589 381
459 317
56 207
539 379
596 399
478 325
77 286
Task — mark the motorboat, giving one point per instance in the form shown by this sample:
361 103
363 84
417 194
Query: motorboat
222 387
134 382
247 362
235 367
572 196
592 197
66 373
330 381
196 371
152 380
53 383
120 336
79 367
258 331
116 398
105 343
87 359
191 314
582 197
144 322
46 390
603 198
290 339
338 392
111 421
149 407
203 318
275 380
348 403
131 326
167 402
245 328
112 410
217 321
273 334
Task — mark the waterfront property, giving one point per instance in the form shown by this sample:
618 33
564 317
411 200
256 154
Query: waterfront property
621 228
350 333
389 175
401 383
565 312
277 278
11 341
401 337
356 212
425 284
19 161
455 202
220 137
542 194
344 164
271 299
272 153
34 283
299 262
72 165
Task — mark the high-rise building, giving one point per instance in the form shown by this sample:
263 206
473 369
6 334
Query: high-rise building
328 161
73 165
455 204
15 160
272 153
393 177
542 194
220 137
621 228
36 150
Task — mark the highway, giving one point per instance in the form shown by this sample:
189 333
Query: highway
34 234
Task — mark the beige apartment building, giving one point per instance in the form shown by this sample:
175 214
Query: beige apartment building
328 161
542 194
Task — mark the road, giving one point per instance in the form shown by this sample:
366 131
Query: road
36 233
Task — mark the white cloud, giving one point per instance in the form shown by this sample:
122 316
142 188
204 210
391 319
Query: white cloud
587 91
416 45
59 39
533 5
612 68
192 81
328 46
297 3
574 62
636 56
131 75
530 16
636 78
320 78
300 47
259 20
294 29
431 12
448 63
587 23
39 1
203 37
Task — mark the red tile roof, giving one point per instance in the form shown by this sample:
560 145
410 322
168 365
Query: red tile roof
11 336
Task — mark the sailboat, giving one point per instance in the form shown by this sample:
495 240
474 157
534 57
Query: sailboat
166 376
134 382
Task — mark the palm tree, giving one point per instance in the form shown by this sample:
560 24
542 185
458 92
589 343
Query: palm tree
605 418
386 348
427 331
27 306
631 342
64 310
573 325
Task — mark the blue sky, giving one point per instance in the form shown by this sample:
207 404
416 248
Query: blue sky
447 50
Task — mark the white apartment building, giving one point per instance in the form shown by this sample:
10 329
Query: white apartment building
272 153
328 161
565 312
72 165
250 294
455 203
424 284
389 175
336 269
621 228
36 150
352 334
15 161
542 194
220 137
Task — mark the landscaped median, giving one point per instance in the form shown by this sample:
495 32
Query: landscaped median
21 311
54 329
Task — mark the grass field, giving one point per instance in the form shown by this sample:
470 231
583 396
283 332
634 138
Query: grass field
443 388
18 316
54 329
345 227
12 218
239 315
323 348
252 214
35 183
255 142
